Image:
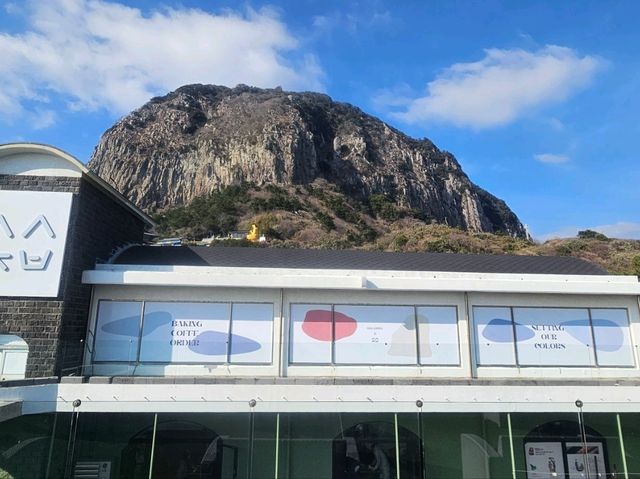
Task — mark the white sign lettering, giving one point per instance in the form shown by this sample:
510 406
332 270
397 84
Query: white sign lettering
33 233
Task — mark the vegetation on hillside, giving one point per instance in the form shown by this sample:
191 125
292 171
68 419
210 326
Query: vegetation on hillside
319 216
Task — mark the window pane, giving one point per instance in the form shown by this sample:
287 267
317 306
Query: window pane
611 332
27 446
311 333
116 444
375 335
199 446
438 334
494 336
467 446
117 331
553 445
630 426
553 337
15 364
307 445
185 332
251 333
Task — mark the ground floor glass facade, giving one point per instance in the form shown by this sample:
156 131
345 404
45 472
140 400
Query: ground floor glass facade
305 446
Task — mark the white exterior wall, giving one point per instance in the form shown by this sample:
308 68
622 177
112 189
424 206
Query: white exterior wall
283 298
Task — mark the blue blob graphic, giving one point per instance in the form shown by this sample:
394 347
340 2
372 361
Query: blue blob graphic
609 335
129 326
241 344
214 343
523 332
579 329
210 343
499 330
155 320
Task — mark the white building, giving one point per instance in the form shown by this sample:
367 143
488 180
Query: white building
265 363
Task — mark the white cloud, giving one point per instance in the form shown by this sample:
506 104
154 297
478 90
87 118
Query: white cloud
352 22
42 119
396 97
11 8
502 87
621 229
556 124
551 158
100 54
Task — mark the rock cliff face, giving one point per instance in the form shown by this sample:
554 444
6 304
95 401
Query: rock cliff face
202 137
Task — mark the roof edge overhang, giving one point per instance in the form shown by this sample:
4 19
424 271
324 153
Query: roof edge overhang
8 149
276 278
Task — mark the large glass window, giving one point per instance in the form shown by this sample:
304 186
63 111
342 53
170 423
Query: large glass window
438 335
251 333
184 332
553 337
311 333
117 331
568 446
467 446
357 445
374 334
531 336
494 336
612 337
117 445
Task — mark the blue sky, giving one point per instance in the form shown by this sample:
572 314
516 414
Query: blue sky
539 101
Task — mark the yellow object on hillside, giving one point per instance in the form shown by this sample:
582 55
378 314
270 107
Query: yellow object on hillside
253 234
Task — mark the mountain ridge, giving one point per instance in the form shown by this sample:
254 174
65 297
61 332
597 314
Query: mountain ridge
201 138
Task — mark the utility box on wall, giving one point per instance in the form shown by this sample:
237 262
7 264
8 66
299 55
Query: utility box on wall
56 219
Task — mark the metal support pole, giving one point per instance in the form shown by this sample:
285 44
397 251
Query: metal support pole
71 443
622 451
153 443
395 417
52 444
275 473
511 452
583 434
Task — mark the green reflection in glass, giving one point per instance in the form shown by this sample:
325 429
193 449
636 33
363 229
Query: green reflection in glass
554 441
607 426
467 445
630 425
118 442
34 446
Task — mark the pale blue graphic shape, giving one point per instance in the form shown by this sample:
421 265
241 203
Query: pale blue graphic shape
155 320
610 335
242 344
130 326
214 343
580 329
499 330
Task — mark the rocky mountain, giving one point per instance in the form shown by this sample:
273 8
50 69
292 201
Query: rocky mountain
201 138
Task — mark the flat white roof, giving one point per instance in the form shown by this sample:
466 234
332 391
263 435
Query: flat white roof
210 276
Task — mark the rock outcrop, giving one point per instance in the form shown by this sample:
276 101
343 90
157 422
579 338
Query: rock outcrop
202 137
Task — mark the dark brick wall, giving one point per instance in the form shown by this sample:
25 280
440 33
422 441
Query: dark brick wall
55 328
100 226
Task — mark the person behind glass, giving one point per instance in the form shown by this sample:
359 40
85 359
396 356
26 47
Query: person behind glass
380 462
